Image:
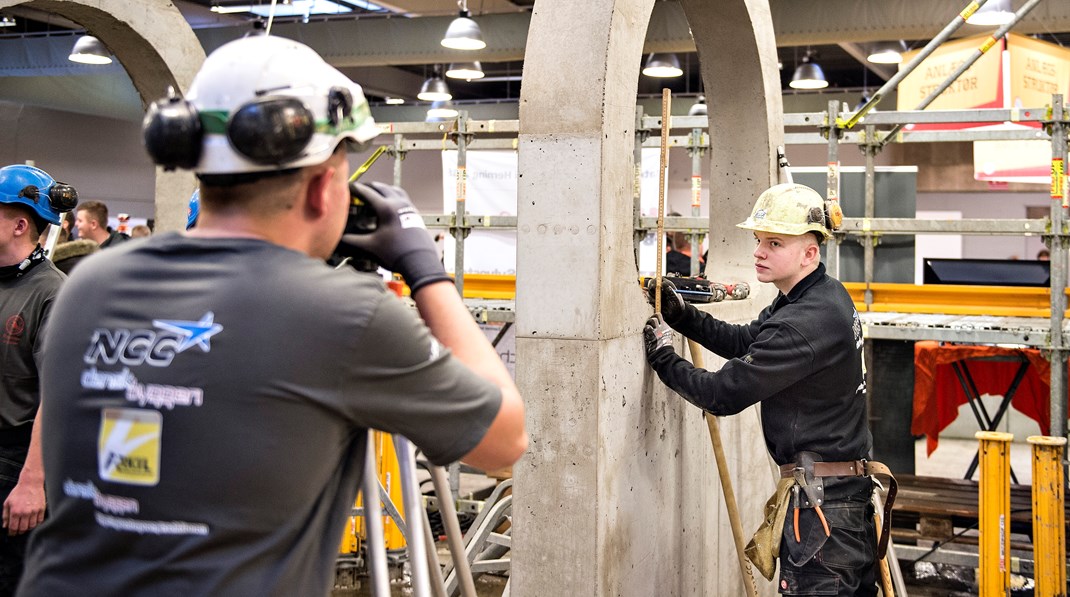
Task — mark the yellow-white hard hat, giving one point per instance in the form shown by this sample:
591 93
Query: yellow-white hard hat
793 209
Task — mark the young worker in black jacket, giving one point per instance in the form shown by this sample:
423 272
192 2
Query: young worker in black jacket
802 359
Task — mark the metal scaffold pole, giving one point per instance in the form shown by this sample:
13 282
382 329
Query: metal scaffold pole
870 238
1059 255
832 189
695 147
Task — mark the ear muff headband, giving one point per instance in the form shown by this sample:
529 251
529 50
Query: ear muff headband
268 130
61 196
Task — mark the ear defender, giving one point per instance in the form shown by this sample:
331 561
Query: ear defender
272 130
173 133
833 215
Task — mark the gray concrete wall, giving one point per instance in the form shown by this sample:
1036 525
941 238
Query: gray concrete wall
618 494
158 49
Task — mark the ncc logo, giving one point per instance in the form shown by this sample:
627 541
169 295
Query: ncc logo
155 347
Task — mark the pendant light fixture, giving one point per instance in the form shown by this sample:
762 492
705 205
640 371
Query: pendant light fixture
808 75
886 52
994 13
662 65
465 70
442 110
463 33
699 107
89 50
435 89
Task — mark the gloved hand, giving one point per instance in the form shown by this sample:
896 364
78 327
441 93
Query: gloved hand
398 240
672 304
656 334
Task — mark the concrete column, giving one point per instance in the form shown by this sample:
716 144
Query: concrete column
618 494
158 49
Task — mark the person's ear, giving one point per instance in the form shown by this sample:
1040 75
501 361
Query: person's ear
22 225
811 253
317 191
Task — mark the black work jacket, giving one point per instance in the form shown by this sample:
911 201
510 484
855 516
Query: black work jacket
801 358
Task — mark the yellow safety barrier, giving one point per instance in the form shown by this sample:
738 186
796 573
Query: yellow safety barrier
994 513
1049 517
999 301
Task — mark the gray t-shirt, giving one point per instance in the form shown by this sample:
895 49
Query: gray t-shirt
25 306
206 415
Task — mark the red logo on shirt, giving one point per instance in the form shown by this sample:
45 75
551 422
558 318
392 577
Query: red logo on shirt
13 329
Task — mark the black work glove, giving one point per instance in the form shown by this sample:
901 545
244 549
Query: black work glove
672 304
656 335
397 239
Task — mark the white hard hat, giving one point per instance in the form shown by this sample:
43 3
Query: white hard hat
793 209
267 103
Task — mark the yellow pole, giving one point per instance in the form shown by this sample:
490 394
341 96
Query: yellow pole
994 513
1049 519
663 171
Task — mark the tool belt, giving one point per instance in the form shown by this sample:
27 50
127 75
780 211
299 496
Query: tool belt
808 474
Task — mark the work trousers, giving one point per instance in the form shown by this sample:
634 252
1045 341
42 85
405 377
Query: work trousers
12 549
843 563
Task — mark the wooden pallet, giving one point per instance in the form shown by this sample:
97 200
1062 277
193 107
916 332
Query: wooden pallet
933 507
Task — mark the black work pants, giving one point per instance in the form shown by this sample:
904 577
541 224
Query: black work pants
843 563
12 549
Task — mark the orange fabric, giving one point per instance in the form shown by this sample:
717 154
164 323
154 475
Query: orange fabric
938 393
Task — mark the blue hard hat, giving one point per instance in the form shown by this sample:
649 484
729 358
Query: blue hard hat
34 188
194 209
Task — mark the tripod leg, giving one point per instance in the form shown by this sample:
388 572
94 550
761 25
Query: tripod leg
453 531
410 491
375 542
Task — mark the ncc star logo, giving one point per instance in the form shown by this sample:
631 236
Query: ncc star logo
192 332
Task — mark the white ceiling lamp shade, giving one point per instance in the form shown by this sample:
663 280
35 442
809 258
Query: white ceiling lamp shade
808 75
442 110
662 65
89 50
994 13
463 33
465 70
699 107
435 89
886 52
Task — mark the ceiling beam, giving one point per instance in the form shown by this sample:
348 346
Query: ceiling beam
859 53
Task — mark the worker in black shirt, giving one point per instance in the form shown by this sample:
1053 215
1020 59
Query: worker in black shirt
802 359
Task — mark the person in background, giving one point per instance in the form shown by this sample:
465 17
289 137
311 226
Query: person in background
678 254
140 231
91 220
802 360
211 391
30 199
1044 255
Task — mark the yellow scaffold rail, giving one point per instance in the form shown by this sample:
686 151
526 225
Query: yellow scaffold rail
998 301
487 286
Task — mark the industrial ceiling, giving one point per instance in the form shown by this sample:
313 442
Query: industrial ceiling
391 46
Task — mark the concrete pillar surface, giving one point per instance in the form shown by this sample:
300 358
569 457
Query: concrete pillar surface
619 494
158 49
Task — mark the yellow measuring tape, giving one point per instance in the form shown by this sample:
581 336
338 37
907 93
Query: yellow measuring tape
368 163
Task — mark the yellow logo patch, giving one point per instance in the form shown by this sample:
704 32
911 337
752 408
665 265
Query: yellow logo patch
128 446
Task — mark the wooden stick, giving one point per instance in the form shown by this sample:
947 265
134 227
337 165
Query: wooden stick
666 103
726 485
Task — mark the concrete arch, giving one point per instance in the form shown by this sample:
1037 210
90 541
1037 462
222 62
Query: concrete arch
617 494
158 49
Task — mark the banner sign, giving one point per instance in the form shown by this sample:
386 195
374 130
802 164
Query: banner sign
489 184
